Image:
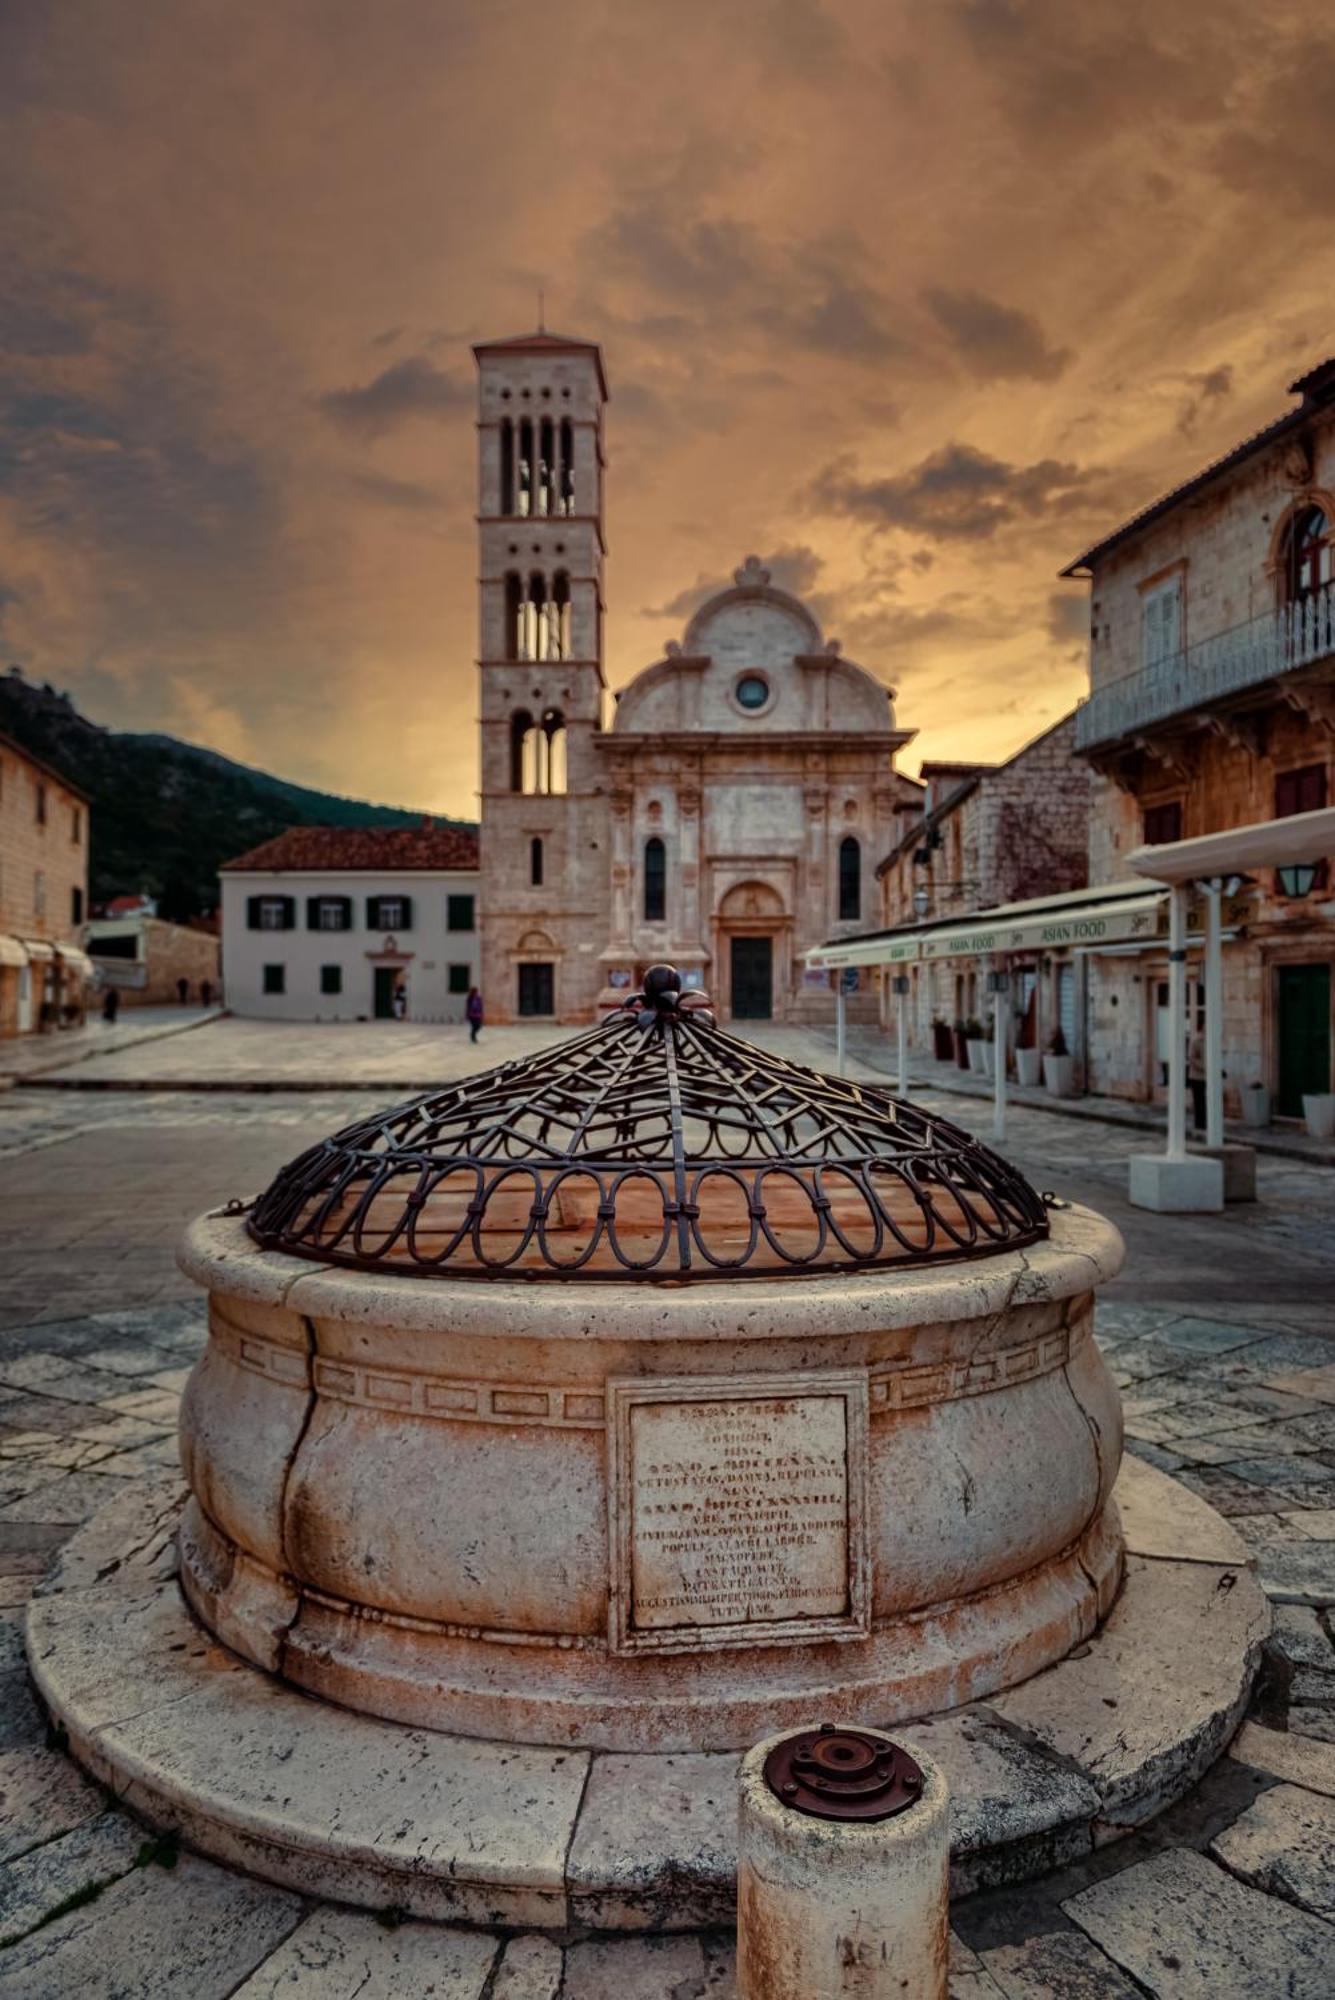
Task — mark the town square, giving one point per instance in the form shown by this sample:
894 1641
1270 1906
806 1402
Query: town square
667 1068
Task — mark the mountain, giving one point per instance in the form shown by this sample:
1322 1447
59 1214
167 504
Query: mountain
166 814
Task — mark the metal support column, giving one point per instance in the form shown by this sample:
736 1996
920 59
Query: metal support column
1000 1003
902 1026
1177 1022
839 1024
1214 1015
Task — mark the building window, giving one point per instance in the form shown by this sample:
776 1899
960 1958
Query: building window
1306 555
39 893
1162 823
275 913
389 913
655 881
1161 622
850 879
461 978
76 826
537 616
40 804
331 978
535 861
76 905
538 752
752 691
459 913
1301 791
275 979
329 913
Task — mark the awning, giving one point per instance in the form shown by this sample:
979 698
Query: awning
78 962
11 951
1088 919
37 950
1266 843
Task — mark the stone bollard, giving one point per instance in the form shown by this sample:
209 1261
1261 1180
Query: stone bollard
842 1870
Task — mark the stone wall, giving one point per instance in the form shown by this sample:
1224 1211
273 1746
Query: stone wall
166 953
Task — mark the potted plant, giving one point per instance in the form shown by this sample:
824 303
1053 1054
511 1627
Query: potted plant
1255 1104
960 1039
1319 1112
1059 1066
1028 1065
973 1036
943 1041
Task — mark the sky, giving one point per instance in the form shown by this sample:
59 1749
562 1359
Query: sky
913 300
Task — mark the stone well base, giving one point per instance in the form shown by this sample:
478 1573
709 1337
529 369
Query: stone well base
343 1805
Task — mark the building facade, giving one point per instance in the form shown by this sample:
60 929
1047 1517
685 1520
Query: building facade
729 809
43 894
145 959
990 835
353 924
1211 706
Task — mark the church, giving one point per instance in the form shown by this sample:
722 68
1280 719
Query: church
724 811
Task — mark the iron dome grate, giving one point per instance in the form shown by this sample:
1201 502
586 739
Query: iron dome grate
655 1146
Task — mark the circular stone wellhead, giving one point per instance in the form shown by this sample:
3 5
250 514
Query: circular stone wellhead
658 1146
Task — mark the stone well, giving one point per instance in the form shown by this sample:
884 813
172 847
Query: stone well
653 1394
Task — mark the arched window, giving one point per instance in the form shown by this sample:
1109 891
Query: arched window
1306 554
535 861
507 466
523 771
526 481
546 468
558 618
514 603
552 752
850 878
567 463
655 881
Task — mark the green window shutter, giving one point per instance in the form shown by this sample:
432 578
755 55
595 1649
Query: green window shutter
406 922
253 912
312 913
373 913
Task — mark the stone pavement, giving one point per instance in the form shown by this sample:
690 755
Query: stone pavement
1232 1893
67 1048
1219 1333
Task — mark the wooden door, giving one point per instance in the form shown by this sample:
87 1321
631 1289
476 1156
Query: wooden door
752 978
1303 1016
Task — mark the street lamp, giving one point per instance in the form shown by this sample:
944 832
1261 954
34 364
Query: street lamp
922 901
1299 878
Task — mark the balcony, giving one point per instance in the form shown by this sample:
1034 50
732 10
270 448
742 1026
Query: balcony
1229 664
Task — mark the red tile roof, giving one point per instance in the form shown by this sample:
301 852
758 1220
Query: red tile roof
542 342
380 850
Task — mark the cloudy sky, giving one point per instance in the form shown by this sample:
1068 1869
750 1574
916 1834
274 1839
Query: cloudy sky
912 299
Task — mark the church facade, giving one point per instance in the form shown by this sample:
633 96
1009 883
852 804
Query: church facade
725 811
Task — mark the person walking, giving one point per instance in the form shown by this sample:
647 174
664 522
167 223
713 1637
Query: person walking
473 1012
111 1005
183 990
400 1002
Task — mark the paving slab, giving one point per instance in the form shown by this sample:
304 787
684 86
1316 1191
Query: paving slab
156 1934
1285 1844
1299 1639
1186 1930
1058 1965
96 1853
1297 1572
685 1878
969 1978
1162 1517
531 1968
1316 1383
1172 1671
42 1795
348 1955
1306 1719
1301 1760
650 1968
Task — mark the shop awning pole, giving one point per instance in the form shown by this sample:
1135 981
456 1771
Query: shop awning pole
902 1024
999 1004
1177 1022
1214 1016
839 1024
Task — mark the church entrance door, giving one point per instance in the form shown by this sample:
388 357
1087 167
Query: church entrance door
536 991
752 978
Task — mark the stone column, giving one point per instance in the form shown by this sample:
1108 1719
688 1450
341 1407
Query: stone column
688 821
839 1909
622 873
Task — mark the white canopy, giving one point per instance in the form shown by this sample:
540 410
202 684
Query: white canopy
1089 917
1266 843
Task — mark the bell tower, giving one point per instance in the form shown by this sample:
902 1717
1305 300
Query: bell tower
540 587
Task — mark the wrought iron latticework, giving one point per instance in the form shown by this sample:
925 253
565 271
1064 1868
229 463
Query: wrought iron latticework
656 1146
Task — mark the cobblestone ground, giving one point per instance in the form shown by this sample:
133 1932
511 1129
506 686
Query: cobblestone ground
1219 1335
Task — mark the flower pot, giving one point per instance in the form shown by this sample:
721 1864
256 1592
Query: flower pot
1059 1075
1255 1105
1029 1066
976 1045
989 1058
1319 1111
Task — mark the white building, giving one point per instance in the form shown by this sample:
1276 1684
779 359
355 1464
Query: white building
332 923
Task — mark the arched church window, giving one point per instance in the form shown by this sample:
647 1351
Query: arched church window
850 878
514 605
1307 563
546 468
524 496
535 618
535 861
523 761
655 881
558 618
567 467
507 466
551 736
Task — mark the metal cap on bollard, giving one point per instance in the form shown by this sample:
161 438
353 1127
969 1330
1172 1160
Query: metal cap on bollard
843 1877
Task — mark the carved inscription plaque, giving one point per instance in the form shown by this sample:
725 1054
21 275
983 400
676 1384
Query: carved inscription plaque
737 1511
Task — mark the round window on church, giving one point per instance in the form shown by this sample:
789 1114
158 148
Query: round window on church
752 691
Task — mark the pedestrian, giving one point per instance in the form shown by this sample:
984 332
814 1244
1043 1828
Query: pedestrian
1196 1079
400 1002
473 1011
111 1003
183 990
205 992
